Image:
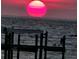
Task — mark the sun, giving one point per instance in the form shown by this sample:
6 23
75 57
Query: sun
36 9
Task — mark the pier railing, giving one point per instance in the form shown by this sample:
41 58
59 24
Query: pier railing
8 46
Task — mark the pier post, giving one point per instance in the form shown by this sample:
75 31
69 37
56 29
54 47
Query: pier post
36 44
41 44
18 52
45 52
12 37
6 39
63 44
9 45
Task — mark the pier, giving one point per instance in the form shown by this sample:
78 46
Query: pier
8 46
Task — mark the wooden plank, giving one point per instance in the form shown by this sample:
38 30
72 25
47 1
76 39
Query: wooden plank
32 48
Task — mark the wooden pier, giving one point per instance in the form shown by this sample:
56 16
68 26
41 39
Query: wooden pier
8 46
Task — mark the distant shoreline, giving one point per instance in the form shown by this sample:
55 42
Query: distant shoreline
42 19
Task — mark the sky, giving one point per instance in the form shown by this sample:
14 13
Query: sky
56 9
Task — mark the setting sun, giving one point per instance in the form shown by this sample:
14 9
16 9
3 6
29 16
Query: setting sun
36 9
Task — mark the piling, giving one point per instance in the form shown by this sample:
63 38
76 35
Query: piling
63 44
12 37
41 44
18 51
8 46
36 44
6 39
45 52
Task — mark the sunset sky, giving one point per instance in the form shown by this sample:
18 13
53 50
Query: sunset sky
56 9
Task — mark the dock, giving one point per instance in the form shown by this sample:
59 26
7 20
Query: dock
8 46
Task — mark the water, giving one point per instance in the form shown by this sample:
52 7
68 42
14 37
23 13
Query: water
56 29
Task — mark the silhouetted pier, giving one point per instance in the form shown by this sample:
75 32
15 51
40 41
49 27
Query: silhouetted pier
8 46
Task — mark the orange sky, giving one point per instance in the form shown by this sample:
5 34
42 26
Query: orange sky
59 9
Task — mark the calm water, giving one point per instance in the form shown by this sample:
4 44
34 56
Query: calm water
56 29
